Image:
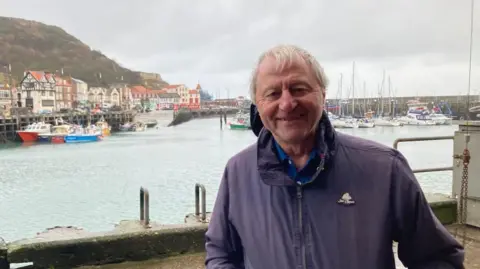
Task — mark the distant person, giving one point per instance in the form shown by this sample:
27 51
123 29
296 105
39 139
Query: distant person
306 196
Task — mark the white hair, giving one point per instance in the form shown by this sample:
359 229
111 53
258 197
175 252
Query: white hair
285 56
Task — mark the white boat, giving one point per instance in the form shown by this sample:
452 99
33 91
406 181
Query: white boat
56 131
344 123
365 123
416 119
387 122
241 121
440 119
31 132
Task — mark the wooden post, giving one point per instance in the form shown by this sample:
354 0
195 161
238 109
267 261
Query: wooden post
221 122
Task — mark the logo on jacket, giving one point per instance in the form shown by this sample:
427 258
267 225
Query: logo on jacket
346 199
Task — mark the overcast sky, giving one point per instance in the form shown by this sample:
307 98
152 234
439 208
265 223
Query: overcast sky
422 45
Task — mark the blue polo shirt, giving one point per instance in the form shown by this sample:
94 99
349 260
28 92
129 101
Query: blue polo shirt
304 175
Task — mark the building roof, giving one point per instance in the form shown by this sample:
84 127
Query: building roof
78 81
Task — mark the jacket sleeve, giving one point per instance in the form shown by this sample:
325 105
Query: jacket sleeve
223 246
423 242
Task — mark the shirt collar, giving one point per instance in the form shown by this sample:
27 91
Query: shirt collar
282 156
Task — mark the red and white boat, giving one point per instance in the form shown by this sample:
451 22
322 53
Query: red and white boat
31 132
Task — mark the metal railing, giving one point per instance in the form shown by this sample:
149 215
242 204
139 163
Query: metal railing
431 138
144 207
199 187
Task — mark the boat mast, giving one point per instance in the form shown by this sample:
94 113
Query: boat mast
364 97
389 97
353 89
340 111
382 88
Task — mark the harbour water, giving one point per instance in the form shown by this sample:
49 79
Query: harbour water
96 185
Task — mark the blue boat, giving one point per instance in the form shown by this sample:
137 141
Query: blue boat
80 138
81 135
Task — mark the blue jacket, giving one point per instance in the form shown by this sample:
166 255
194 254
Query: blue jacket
346 218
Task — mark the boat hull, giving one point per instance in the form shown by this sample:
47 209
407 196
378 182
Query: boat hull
28 136
81 138
43 138
58 139
234 126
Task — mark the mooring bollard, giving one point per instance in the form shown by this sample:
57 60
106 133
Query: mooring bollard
144 207
199 187
4 264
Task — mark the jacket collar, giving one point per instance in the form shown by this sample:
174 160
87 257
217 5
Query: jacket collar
269 166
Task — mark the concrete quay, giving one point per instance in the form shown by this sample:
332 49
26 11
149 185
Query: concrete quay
179 245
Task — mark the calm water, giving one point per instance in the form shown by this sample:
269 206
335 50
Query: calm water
96 185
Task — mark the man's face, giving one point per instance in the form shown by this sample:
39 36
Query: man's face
289 101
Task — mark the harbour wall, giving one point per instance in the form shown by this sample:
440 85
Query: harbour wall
9 126
183 116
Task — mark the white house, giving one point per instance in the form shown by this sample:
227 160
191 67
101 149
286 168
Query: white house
96 96
181 90
81 89
38 91
167 100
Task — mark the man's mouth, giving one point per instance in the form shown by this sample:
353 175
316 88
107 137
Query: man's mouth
291 118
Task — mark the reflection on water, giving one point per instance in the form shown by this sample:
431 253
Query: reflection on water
96 185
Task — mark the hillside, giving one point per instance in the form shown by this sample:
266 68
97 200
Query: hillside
30 45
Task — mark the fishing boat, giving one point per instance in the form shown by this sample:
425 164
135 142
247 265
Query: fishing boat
241 121
31 132
57 134
81 135
103 126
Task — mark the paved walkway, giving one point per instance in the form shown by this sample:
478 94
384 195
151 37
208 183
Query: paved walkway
196 261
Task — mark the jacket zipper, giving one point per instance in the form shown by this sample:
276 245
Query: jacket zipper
300 223
300 211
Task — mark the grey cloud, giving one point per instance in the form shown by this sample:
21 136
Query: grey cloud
226 37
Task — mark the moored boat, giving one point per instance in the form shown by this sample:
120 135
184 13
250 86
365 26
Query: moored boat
365 123
56 135
241 121
126 127
341 123
139 127
88 134
384 122
151 123
104 127
31 132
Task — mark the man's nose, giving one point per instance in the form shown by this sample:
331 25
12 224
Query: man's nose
287 101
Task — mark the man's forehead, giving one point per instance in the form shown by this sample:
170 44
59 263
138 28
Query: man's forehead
272 65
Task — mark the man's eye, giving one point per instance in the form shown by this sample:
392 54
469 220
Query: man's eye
272 94
298 90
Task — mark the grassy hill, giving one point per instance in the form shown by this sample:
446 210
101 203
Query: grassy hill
31 45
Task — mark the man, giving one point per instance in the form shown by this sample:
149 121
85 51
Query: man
305 196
